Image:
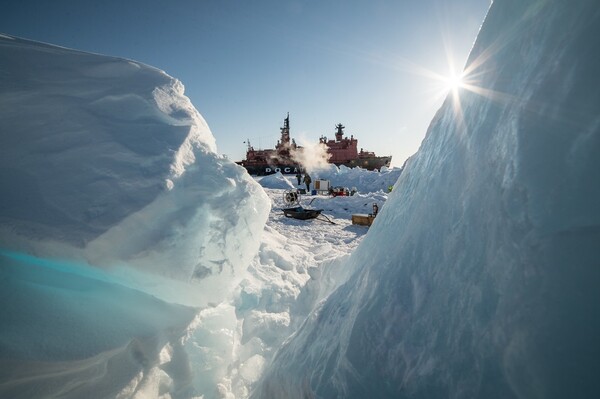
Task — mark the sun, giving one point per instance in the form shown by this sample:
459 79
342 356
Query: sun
454 81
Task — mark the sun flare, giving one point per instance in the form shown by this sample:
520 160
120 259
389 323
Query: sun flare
454 81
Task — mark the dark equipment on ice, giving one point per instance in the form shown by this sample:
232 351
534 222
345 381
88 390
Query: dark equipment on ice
291 198
301 213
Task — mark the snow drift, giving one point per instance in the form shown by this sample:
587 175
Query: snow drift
480 276
115 212
276 180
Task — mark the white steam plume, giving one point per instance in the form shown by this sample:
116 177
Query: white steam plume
311 156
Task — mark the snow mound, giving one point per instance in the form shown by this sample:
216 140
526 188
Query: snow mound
365 181
276 180
480 276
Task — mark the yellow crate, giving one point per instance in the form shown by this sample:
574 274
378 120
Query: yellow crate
362 219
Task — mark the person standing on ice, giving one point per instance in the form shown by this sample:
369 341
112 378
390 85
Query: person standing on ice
307 181
299 177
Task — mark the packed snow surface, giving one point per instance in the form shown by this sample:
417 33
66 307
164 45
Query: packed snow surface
479 279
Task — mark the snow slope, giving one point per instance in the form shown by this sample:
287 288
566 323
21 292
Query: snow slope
480 276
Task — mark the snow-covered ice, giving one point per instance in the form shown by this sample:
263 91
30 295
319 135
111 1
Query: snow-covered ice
104 160
119 225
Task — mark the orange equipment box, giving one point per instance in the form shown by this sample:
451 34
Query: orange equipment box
362 219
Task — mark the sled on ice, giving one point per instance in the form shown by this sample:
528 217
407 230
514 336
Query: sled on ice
296 211
299 212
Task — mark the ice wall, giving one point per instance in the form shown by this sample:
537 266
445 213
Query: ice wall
119 225
73 331
480 276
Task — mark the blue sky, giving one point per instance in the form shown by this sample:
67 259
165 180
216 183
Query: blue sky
245 64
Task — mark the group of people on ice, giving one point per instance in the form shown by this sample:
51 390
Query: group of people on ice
307 180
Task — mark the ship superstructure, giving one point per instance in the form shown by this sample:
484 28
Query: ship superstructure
344 151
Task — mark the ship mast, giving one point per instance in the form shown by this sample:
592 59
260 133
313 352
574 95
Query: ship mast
339 134
285 130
